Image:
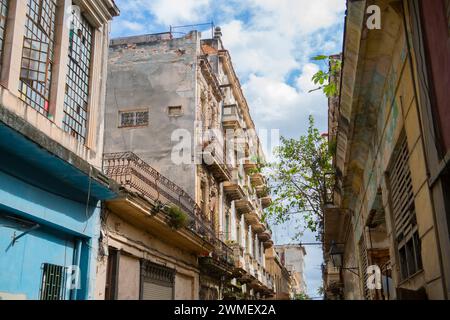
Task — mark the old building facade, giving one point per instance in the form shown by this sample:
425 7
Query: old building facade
52 88
170 101
282 279
389 212
292 256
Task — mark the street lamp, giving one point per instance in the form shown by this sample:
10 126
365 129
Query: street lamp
336 255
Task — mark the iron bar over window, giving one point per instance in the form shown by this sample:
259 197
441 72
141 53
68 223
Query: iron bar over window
77 82
3 18
53 282
37 55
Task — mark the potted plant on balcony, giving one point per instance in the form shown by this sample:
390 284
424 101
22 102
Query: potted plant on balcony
177 217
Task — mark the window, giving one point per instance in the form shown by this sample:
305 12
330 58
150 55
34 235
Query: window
3 18
239 235
77 82
53 282
37 55
403 210
227 225
175 111
203 199
364 260
133 118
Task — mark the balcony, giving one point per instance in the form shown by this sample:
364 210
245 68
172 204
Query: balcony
239 259
250 166
231 118
266 201
265 235
144 196
214 157
233 188
245 206
262 191
220 262
259 226
257 179
268 244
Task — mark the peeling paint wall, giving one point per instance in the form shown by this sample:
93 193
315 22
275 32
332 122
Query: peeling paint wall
153 74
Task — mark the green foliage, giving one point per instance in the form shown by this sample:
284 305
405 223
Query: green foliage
300 181
302 296
324 78
320 291
177 217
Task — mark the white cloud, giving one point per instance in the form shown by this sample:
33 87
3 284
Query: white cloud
129 25
271 43
168 12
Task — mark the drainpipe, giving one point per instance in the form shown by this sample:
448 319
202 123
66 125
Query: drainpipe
77 263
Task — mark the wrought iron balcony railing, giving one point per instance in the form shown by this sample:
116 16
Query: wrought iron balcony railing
127 169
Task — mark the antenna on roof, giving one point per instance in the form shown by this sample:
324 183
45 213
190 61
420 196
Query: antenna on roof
173 29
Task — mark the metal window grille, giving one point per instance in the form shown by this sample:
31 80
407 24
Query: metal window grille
53 282
403 210
364 260
77 82
3 18
134 118
37 54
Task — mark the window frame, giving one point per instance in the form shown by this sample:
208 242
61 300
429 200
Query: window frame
33 90
409 231
78 80
134 112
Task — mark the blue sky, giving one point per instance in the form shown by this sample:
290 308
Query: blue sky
271 43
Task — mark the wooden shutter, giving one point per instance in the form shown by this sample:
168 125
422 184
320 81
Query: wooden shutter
402 192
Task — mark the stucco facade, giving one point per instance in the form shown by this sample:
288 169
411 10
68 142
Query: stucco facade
51 182
282 279
383 213
182 95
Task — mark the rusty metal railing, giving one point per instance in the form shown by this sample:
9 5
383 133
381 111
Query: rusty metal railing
133 173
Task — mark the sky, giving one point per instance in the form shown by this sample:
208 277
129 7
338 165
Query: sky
271 43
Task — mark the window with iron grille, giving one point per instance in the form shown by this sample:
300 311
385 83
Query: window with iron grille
3 18
37 54
53 282
364 260
77 83
133 118
403 211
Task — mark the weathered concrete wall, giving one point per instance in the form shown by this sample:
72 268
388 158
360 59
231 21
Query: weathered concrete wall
384 108
135 244
153 74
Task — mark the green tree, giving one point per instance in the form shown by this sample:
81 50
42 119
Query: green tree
325 79
301 296
301 181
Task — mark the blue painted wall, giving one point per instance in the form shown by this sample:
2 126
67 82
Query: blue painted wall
63 222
